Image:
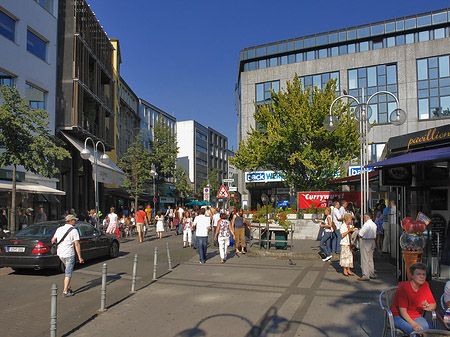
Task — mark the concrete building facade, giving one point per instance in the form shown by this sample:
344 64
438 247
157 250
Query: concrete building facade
407 56
218 153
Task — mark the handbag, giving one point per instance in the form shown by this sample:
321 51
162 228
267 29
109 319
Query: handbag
54 247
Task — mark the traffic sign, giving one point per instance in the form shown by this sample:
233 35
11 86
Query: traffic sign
223 193
228 180
206 194
232 188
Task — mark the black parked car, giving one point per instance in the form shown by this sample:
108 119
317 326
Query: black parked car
30 247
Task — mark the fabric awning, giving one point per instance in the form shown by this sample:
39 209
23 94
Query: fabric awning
6 185
413 157
108 173
356 179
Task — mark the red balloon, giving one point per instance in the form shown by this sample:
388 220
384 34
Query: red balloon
406 221
421 227
410 227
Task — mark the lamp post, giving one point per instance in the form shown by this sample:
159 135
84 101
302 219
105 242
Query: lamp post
363 113
265 201
154 174
104 158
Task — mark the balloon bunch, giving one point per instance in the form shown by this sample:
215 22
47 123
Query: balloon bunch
411 226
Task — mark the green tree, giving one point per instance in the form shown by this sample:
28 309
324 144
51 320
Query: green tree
214 183
26 139
182 183
164 151
136 165
290 137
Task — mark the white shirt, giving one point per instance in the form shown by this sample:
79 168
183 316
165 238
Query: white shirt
335 215
66 248
112 218
180 213
326 229
368 230
447 292
344 229
201 224
216 218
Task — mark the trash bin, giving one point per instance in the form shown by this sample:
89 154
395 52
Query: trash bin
281 235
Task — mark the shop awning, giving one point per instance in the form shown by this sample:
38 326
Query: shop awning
108 173
6 185
418 156
356 179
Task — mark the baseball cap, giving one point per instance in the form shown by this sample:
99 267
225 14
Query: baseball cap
71 217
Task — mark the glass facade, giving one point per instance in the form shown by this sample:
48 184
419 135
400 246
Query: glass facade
35 97
373 79
47 4
201 162
7 26
201 136
320 80
201 149
36 45
433 87
263 95
419 28
6 79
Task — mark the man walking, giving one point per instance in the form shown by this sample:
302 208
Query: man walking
67 238
202 224
336 218
367 233
141 221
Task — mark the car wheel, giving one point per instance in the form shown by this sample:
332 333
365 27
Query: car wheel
114 250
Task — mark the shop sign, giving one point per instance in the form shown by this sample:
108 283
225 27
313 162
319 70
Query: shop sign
397 176
166 200
324 199
429 136
356 170
8 175
263 177
283 203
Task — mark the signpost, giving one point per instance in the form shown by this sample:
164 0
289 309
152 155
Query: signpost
223 193
228 180
206 194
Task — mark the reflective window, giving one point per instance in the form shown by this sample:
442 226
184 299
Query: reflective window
322 53
36 45
390 41
364 46
363 32
6 79
424 36
439 17
378 29
263 94
201 162
320 80
7 26
439 33
351 48
400 40
201 136
409 38
35 97
47 4
201 149
424 21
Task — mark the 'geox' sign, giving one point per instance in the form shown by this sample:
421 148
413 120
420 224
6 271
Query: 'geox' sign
263 177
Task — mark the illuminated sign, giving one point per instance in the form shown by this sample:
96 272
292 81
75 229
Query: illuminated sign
263 177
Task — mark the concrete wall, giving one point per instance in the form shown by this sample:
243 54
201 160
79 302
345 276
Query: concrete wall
185 140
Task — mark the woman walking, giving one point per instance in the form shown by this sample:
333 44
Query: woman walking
346 258
112 220
159 225
325 241
238 228
223 231
187 229
176 219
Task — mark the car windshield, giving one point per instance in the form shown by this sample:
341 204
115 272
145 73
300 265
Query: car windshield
46 229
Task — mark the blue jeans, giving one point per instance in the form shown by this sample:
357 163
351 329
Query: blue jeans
325 243
400 323
180 228
202 245
194 239
336 241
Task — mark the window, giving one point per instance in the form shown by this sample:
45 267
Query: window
201 149
433 87
263 95
35 97
47 4
6 79
36 46
373 79
201 136
375 151
320 80
7 26
201 162
202 175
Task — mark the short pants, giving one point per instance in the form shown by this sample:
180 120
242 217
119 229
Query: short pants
140 227
69 263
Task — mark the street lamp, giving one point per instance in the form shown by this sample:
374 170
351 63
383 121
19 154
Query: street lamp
104 158
363 114
265 201
154 174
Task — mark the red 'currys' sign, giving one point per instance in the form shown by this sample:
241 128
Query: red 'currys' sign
324 199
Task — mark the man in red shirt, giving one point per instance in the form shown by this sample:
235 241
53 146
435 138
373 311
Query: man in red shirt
141 220
412 299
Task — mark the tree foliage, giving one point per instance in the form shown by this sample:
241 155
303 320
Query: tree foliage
213 181
26 139
137 166
182 183
291 139
164 151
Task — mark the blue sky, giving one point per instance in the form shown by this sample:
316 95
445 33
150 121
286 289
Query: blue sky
182 56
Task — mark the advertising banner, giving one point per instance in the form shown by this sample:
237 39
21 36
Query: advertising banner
324 199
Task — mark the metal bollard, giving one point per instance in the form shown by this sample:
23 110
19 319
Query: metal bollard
103 293
53 311
155 263
133 280
168 257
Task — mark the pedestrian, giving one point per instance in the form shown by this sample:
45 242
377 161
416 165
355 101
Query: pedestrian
141 221
23 219
112 220
216 217
187 229
201 226
148 211
169 213
159 224
180 217
40 216
346 257
223 231
176 220
325 241
368 234
237 224
3 220
337 218
379 223
68 242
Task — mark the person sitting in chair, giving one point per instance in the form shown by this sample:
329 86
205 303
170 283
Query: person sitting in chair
411 299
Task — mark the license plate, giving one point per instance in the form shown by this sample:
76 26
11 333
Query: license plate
16 249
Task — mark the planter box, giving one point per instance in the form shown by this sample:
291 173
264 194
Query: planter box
291 216
308 216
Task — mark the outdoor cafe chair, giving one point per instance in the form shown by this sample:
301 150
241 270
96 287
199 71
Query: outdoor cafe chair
429 333
386 299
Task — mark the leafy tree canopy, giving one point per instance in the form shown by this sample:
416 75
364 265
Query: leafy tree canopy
290 137
182 183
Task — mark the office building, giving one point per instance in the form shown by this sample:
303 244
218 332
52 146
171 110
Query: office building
406 56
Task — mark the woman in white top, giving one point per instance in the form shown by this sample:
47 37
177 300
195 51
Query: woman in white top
346 258
187 229
159 225
325 241
112 222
